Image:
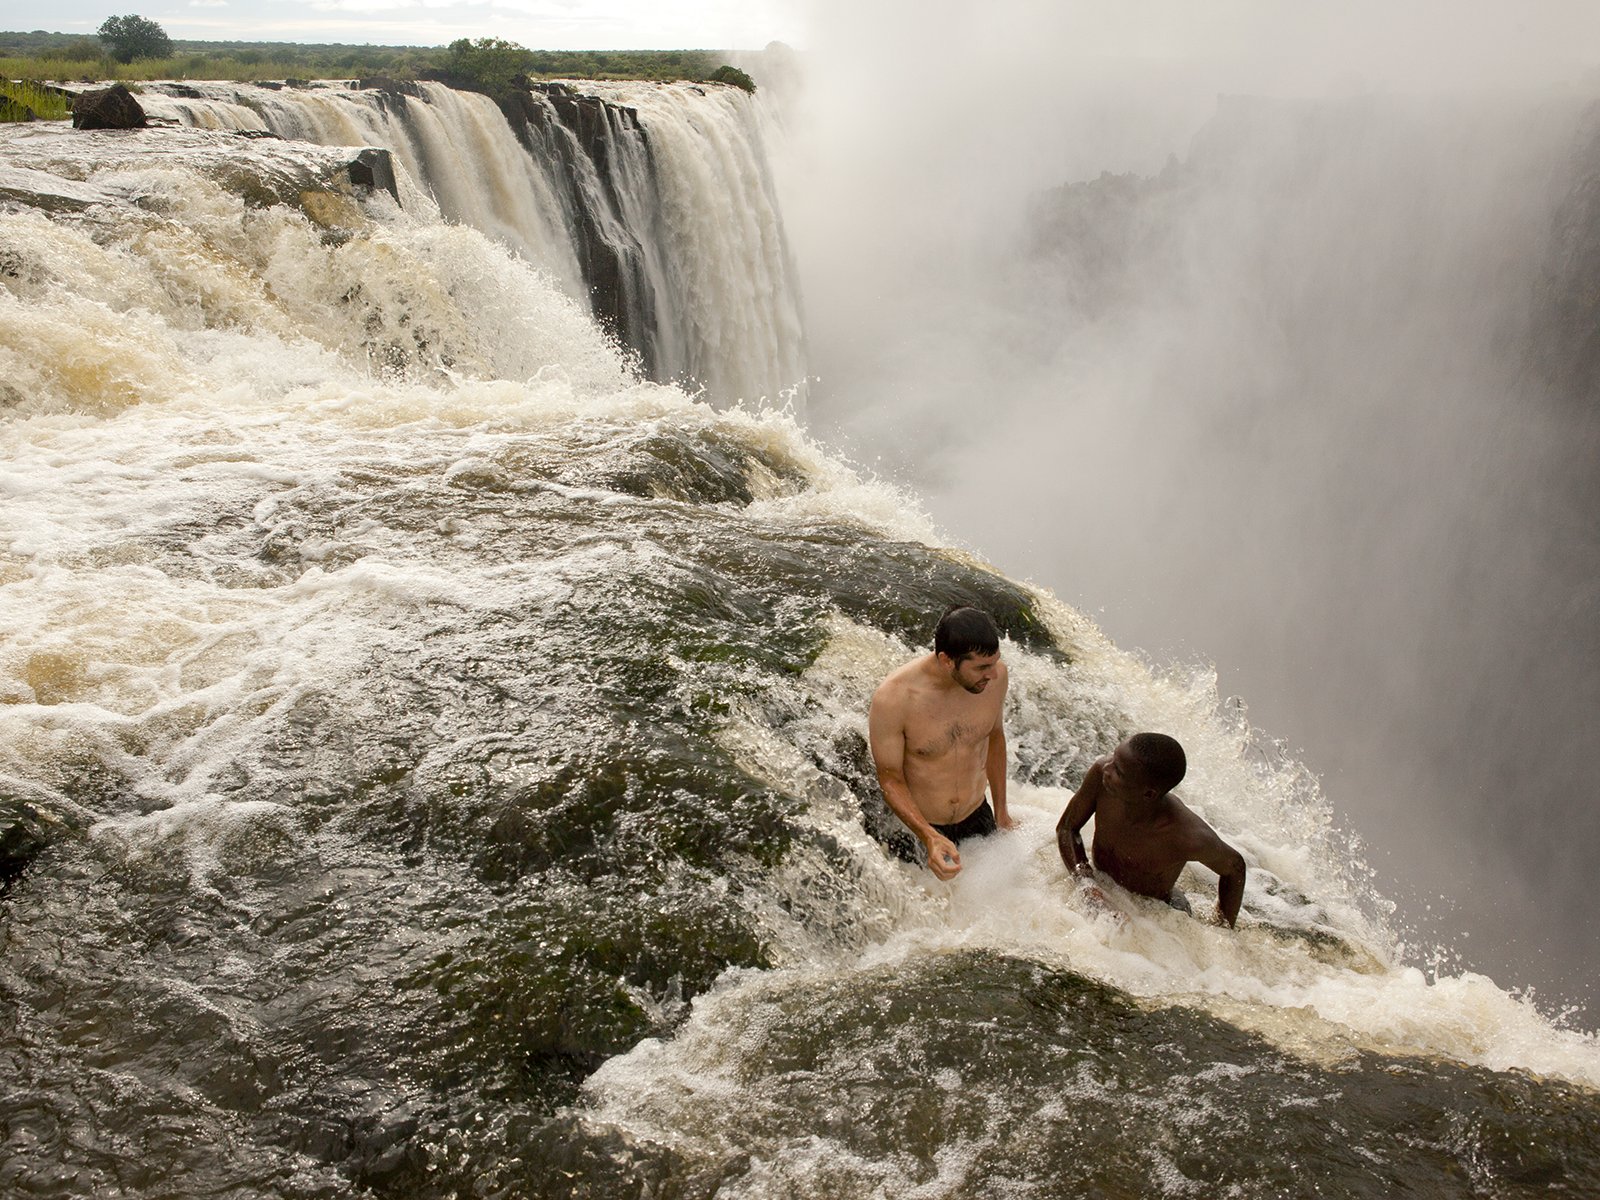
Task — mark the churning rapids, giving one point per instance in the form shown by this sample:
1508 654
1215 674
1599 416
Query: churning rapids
438 750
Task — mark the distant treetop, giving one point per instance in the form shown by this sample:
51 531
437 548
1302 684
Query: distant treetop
132 37
489 62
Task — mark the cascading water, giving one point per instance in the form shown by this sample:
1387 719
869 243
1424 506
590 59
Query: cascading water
1311 398
438 758
728 265
650 201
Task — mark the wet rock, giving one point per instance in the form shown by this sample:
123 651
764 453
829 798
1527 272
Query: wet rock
112 108
373 169
335 206
587 135
382 83
23 835
331 210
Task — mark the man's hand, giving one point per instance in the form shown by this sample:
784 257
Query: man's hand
944 860
1005 820
1089 886
1100 902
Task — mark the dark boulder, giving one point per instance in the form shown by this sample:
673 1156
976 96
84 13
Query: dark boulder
373 169
112 108
23 834
382 83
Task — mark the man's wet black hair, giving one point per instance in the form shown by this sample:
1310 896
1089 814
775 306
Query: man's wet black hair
1160 758
963 631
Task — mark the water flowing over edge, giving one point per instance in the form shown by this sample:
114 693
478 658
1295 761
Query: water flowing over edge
653 202
302 455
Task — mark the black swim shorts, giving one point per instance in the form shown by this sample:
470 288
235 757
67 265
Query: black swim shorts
886 828
978 823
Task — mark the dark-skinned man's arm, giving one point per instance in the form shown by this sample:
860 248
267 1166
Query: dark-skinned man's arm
1229 865
1069 839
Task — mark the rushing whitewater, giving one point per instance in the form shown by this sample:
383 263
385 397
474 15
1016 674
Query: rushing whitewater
651 202
439 760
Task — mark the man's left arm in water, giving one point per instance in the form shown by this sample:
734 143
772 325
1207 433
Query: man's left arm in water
1202 845
995 762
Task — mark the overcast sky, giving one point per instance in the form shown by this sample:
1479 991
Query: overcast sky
541 24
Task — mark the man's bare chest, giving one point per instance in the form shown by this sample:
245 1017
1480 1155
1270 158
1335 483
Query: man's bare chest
947 733
1131 838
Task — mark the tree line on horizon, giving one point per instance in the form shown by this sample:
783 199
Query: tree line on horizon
135 48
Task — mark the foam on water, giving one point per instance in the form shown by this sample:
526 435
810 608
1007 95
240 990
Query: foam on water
1312 966
184 559
225 359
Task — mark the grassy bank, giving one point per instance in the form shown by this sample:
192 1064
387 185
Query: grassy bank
27 101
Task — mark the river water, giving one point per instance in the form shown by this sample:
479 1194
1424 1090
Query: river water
448 754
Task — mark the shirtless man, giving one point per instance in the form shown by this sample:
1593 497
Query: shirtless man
937 738
1142 835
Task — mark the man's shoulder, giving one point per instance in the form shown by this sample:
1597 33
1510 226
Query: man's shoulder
898 684
1187 820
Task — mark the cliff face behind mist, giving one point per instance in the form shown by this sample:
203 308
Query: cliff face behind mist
1354 349
1569 352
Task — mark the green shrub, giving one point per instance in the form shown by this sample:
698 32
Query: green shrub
727 74
491 63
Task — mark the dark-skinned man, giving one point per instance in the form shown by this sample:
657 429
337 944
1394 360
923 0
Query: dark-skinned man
1144 835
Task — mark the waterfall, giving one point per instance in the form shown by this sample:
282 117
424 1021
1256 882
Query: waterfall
729 266
433 763
652 203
